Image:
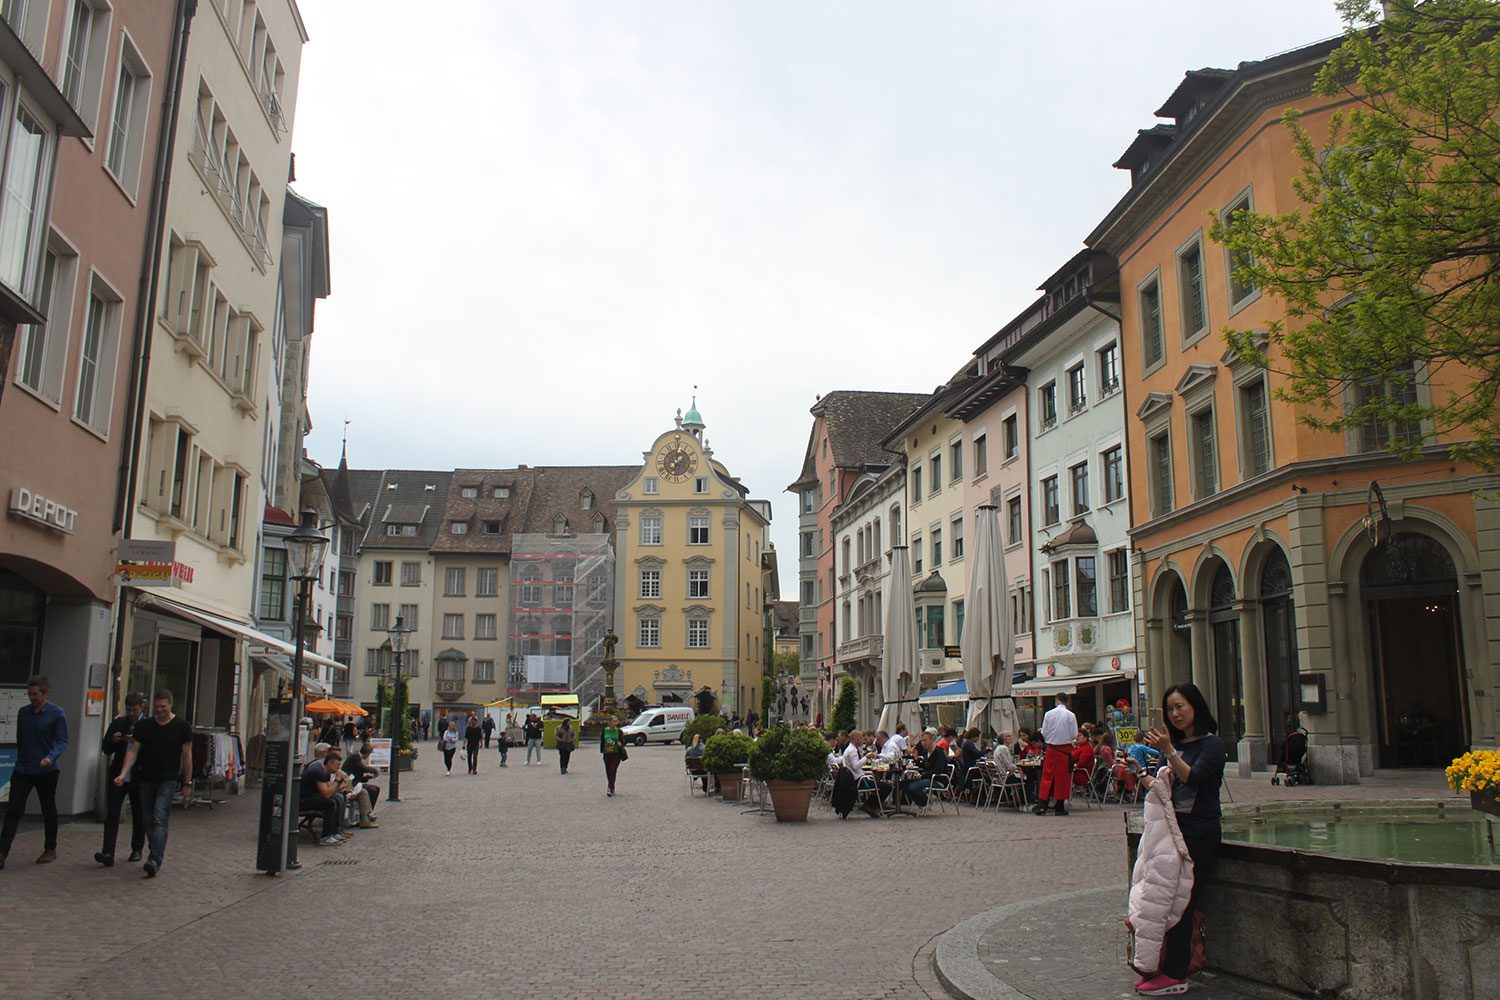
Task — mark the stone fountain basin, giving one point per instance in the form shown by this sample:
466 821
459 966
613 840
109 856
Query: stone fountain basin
1325 924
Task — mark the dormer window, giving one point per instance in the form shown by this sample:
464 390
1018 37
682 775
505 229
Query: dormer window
559 525
502 493
470 492
492 527
587 500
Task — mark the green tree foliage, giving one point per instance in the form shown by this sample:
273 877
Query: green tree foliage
843 707
705 726
790 662
1390 272
383 695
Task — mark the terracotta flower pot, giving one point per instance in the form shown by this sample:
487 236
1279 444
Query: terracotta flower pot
1488 801
791 799
729 785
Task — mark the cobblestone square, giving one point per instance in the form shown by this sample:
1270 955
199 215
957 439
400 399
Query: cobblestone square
523 881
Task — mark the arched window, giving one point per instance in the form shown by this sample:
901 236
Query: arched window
1224 635
1279 626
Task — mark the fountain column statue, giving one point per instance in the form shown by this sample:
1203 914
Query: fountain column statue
608 705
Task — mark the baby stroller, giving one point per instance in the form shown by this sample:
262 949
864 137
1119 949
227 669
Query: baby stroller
1291 768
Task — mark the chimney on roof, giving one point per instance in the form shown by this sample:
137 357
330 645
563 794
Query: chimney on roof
523 468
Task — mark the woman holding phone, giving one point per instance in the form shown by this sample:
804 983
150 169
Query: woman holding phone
1189 742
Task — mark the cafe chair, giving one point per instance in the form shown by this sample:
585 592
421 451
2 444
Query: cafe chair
696 772
1086 791
942 790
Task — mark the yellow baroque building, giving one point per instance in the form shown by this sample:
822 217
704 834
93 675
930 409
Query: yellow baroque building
690 587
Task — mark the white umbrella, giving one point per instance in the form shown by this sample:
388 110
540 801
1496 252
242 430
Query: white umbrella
899 658
987 640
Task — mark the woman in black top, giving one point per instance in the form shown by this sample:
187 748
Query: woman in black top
473 734
1196 756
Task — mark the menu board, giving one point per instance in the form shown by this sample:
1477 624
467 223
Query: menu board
380 752
12 700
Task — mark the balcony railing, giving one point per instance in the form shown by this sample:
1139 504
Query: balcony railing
863 648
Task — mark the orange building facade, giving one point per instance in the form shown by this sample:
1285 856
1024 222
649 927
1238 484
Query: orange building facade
1255 572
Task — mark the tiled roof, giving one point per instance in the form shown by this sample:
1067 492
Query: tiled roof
858 421
406 496
559 490
363 485
483 508
538 497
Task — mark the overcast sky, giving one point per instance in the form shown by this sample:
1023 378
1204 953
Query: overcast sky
550 220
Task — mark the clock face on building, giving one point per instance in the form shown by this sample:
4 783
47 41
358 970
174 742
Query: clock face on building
676 461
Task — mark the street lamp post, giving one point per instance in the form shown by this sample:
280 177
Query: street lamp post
305 548
398 633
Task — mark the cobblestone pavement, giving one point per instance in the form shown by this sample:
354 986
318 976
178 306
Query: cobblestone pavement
525 881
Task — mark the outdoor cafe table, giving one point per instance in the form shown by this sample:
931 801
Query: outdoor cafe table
906 772
1032 767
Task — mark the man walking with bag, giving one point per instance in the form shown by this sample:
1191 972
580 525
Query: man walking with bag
116 743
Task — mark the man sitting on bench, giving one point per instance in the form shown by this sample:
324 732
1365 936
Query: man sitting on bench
319 783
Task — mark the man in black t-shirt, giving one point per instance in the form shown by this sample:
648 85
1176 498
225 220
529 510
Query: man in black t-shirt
163 748
116 743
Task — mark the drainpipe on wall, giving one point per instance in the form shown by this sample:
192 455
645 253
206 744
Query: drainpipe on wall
140 355
1141 654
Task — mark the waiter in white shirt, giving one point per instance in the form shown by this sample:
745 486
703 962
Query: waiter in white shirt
1059 729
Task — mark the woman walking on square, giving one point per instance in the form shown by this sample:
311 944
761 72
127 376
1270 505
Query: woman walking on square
449 741
612 746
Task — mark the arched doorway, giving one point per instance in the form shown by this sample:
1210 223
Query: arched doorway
1180 634
22 609
1410 589
1224 646
1279 624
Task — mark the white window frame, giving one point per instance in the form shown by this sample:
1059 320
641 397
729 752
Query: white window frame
651 529
52 336
125 150
106 363
15 103
90 78
649 586
648 632
699 583
699 633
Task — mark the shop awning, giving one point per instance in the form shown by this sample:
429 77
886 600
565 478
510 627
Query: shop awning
1043 686
283 666
958 691
231 627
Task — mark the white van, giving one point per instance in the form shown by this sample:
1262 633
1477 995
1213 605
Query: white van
657 725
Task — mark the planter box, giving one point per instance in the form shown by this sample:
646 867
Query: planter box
405 763
791 799
1486 802
729 785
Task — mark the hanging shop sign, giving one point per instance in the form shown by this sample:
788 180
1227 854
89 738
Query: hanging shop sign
31 506
168 574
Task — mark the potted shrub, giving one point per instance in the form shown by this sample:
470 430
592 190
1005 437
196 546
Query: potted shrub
1478 773
705 726
722 756
790 761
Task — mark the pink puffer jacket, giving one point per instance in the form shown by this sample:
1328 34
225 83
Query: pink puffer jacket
1162 880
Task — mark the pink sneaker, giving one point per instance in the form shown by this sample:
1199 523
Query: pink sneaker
1161 986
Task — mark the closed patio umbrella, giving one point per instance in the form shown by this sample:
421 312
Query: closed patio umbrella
987 641
899 657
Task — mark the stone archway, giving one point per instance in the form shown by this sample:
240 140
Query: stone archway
1225 653
1414 626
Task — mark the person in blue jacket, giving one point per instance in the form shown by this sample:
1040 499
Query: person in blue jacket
42 732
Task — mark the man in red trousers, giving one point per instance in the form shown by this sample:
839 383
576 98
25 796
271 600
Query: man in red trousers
1059 729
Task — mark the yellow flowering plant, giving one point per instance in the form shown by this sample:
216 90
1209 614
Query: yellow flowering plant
1475 771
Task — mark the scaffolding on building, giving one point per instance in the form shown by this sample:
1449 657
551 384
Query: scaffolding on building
561 598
